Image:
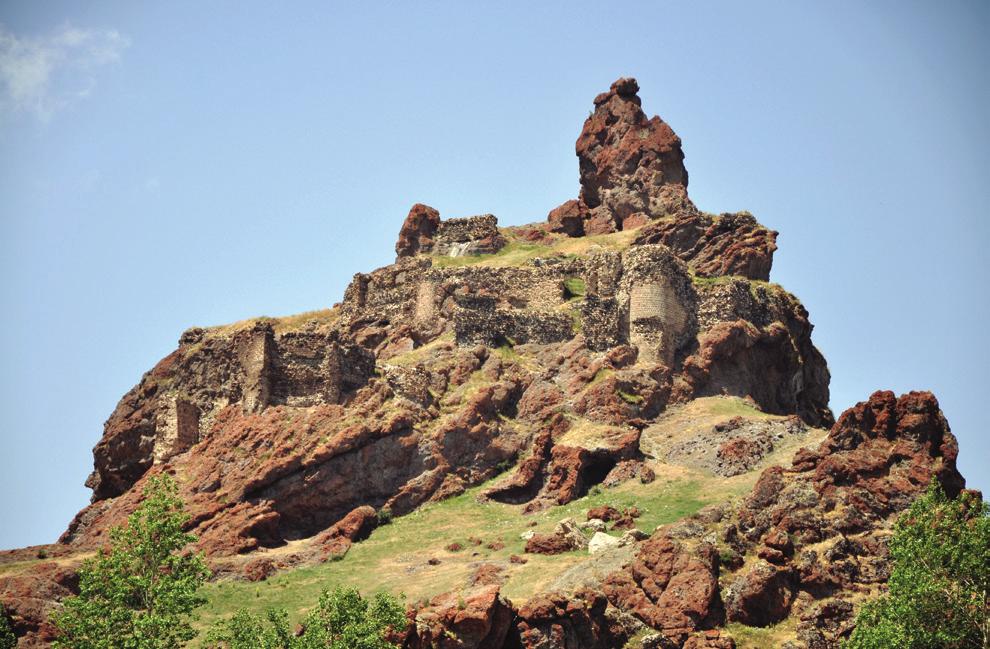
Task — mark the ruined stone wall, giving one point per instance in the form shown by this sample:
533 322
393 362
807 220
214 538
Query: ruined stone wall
661 303
388 294
255 368
740 299
177 427
602 322
472 235
479 321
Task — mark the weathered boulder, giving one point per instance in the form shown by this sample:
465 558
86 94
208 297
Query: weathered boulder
601 542
566 537
763 596
478 618
337 539
569 218
670 587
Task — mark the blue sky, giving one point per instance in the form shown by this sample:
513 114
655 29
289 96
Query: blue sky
193 163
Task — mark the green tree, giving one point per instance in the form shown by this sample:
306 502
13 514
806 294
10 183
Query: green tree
342 619
939 587
249 631
7 638
141 592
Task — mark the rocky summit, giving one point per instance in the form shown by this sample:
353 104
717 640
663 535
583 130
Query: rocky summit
605 429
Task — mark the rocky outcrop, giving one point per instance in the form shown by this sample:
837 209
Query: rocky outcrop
423 232
632 176
178 401
418 231
840 498
577 621
729 244
475 619
356 526
566 536
670 586
625 159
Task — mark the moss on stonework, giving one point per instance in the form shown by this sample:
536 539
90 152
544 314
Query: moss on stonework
574 287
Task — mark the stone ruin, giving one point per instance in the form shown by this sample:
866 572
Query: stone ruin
643 296
260 369
424 233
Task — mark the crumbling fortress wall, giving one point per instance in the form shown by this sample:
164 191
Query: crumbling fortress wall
176 404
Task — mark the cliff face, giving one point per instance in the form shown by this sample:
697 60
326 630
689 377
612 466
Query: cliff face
560 348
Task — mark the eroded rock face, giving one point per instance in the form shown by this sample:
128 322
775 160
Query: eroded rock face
578 621
29 599
178 401
632 176
418 231
841 497
423 232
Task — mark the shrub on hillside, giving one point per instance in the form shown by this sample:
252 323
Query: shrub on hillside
939 588
342 619
7 638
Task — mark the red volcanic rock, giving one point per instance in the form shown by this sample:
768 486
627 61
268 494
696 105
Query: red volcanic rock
259 569
600 221
569 218
356 526
605 513
123 454
488 574
762 597
29 597
479 618
577 621
627 520
539 401
571 471
625 159
909 431
879 456
730 354
523 485
669 587
603 400
418 231
549 544
730 244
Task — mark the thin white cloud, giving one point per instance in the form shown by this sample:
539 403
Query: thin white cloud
41 75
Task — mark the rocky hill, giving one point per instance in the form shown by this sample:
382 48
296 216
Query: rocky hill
604 430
